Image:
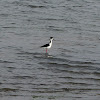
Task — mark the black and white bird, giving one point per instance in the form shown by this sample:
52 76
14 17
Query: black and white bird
48 46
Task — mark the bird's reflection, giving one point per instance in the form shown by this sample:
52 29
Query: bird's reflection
48 55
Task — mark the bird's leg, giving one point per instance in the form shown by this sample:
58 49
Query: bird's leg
46 50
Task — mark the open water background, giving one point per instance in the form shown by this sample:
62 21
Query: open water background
71 72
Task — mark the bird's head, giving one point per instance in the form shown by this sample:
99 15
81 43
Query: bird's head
51 38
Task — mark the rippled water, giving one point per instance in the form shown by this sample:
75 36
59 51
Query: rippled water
72 69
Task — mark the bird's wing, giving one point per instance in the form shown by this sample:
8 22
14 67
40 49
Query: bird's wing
46 45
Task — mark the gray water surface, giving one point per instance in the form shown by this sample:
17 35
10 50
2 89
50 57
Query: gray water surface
70 70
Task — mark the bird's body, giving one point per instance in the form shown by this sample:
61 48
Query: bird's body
48 46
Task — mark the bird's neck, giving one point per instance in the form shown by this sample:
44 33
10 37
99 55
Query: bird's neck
50 42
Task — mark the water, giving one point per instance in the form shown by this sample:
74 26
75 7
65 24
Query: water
72 69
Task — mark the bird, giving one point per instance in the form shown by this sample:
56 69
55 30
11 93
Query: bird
48 46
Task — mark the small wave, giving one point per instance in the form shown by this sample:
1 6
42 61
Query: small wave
8 89
2 61
81 89
36 6
22 77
